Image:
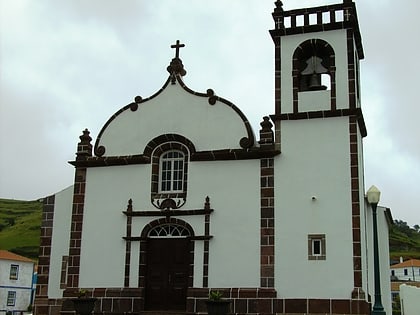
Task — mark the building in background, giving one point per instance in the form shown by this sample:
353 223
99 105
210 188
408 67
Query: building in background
16 282
408 270
178 197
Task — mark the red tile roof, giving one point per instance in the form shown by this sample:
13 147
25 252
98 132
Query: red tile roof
408 263
6 255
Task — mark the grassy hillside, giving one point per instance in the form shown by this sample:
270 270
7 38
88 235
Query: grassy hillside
20 226
404 241
20 223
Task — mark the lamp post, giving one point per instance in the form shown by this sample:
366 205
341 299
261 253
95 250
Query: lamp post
373 195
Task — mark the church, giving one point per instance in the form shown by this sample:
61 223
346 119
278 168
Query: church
161 214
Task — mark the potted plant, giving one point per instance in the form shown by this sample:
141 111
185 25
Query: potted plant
84 304
216 305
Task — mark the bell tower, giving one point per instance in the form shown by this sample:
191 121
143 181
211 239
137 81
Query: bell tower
317 52
319 129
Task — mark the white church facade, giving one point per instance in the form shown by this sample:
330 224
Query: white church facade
177 196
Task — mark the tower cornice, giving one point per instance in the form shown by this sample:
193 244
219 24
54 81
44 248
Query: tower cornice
317 19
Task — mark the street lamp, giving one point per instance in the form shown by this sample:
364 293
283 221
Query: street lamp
373 195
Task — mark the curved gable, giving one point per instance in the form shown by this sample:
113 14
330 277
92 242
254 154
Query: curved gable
209 121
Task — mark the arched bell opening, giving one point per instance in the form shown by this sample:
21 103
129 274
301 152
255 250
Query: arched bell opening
313 69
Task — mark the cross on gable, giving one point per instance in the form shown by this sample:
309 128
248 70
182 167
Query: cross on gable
177 46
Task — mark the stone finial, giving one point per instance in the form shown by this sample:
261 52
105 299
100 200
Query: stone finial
84 147
266 134
176 67
279 6
130 205
207 203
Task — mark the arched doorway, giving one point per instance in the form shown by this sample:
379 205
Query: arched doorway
168 260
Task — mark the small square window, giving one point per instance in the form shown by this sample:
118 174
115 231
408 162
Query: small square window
11 298
405 272
316 247
14 272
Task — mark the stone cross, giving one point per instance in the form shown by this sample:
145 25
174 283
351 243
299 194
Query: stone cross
177 46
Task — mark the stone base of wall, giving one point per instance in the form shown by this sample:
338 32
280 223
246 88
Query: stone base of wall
250 301
256 301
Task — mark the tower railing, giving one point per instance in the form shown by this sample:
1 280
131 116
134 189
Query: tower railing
314 16
322 18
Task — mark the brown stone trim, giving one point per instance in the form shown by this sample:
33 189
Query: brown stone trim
355 112
128 245
351 69
110 300
265 301
206 251
167 138
358 293
76 228
41 298
215 155
94 161
267 223
167 213
277 78
193 238
233 154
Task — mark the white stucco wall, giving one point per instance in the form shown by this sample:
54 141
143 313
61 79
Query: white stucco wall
338 41
233 188
209 127
315 162
60 239
22 286
410 300
234 222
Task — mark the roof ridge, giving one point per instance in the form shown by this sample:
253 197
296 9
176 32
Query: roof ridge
7 255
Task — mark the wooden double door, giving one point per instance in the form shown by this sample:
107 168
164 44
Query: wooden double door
167 273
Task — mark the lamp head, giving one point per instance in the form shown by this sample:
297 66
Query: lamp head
373 195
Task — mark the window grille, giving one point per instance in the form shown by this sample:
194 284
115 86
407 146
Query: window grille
11 298
317 247
169 230
172 172
14 272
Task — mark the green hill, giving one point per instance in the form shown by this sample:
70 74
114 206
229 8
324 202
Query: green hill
20 223
20 226
404 241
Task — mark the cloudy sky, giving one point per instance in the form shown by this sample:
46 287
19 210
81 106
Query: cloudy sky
69 65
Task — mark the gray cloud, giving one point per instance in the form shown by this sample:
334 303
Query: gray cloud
67 65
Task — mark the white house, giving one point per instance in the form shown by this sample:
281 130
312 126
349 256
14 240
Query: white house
16 281
408 270
177 196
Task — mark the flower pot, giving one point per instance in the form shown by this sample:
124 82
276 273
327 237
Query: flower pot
84 306
218 307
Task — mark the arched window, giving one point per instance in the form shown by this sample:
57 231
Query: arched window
169 174
169 230
171 177
314 64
